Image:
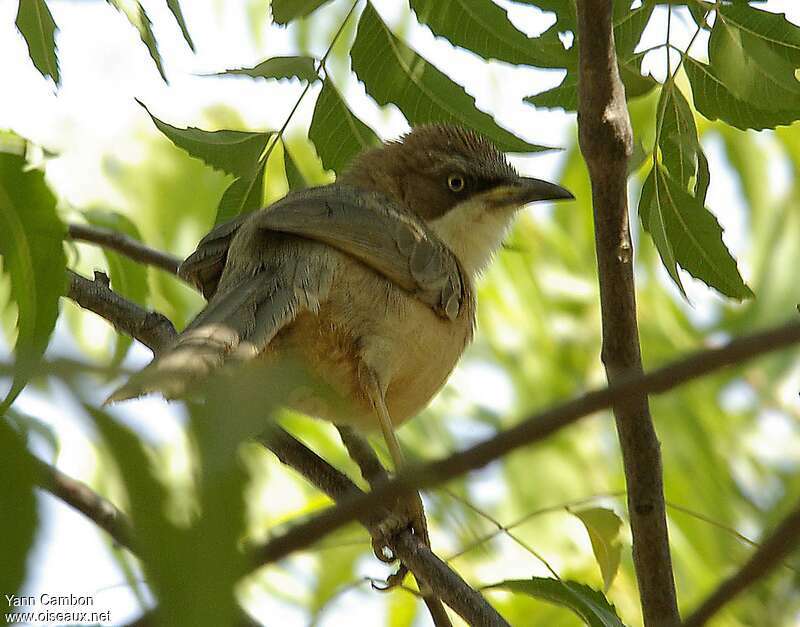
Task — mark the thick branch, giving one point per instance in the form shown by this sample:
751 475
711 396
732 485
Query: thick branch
152 329
606 141
532 429
782 541
124 245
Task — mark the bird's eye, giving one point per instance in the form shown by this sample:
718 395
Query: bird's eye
455 182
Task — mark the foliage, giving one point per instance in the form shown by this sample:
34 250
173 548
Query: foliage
539 330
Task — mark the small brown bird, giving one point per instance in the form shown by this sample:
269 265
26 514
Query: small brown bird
367 282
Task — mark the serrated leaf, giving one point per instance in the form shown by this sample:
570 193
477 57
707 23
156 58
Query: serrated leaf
35 23
654 223
301 67
628 28
128 278
284 11
294 177
564 96
233 152
336 132
175 8
484 28
137 16
603 527
677 138
394 73
756 67
31 246
589 604
19 516
773 29
243 195
695 237
715 101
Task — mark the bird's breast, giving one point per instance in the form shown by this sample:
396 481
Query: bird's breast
369 321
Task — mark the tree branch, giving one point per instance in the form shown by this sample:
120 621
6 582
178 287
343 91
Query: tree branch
606 140
152 329
426 566
532 429
81 497
782 541
125 245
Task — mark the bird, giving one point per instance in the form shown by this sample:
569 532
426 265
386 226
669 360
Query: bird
368 282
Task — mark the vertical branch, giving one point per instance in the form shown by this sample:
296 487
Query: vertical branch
606 140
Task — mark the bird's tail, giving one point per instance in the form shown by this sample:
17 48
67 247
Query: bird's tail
236 325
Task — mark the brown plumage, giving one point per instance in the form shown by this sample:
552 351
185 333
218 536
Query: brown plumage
367 282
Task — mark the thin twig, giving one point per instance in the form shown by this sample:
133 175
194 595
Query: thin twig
532 429
125 245
152 329
606 141
81 497
782 541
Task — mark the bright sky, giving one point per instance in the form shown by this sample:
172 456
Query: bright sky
105 66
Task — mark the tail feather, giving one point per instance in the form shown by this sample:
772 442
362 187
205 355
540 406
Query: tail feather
237 324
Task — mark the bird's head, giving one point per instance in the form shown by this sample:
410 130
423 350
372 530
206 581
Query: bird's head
458 182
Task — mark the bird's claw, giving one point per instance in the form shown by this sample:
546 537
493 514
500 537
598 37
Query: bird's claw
408 514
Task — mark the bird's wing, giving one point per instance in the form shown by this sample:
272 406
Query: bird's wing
365 225
203 268
261 288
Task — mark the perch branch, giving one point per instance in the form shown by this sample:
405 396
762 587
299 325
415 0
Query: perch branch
431 571
772 551
530 430
606 141
152 329
125 245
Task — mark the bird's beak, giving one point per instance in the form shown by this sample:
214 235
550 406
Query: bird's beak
522 190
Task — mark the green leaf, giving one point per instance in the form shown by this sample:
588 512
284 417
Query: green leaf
484 28
628 28
37 26
393 73
603 527
134 11
564 96
233 152
245 194
284 11
715 101
18 511
175 8
294 178
653 221
678 134
772 29
336 132
755 55
591 605
695 237
128 278
278 67
33 256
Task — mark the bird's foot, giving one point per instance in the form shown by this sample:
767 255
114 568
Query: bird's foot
408 514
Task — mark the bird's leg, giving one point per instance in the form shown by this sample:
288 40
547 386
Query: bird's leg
409 510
